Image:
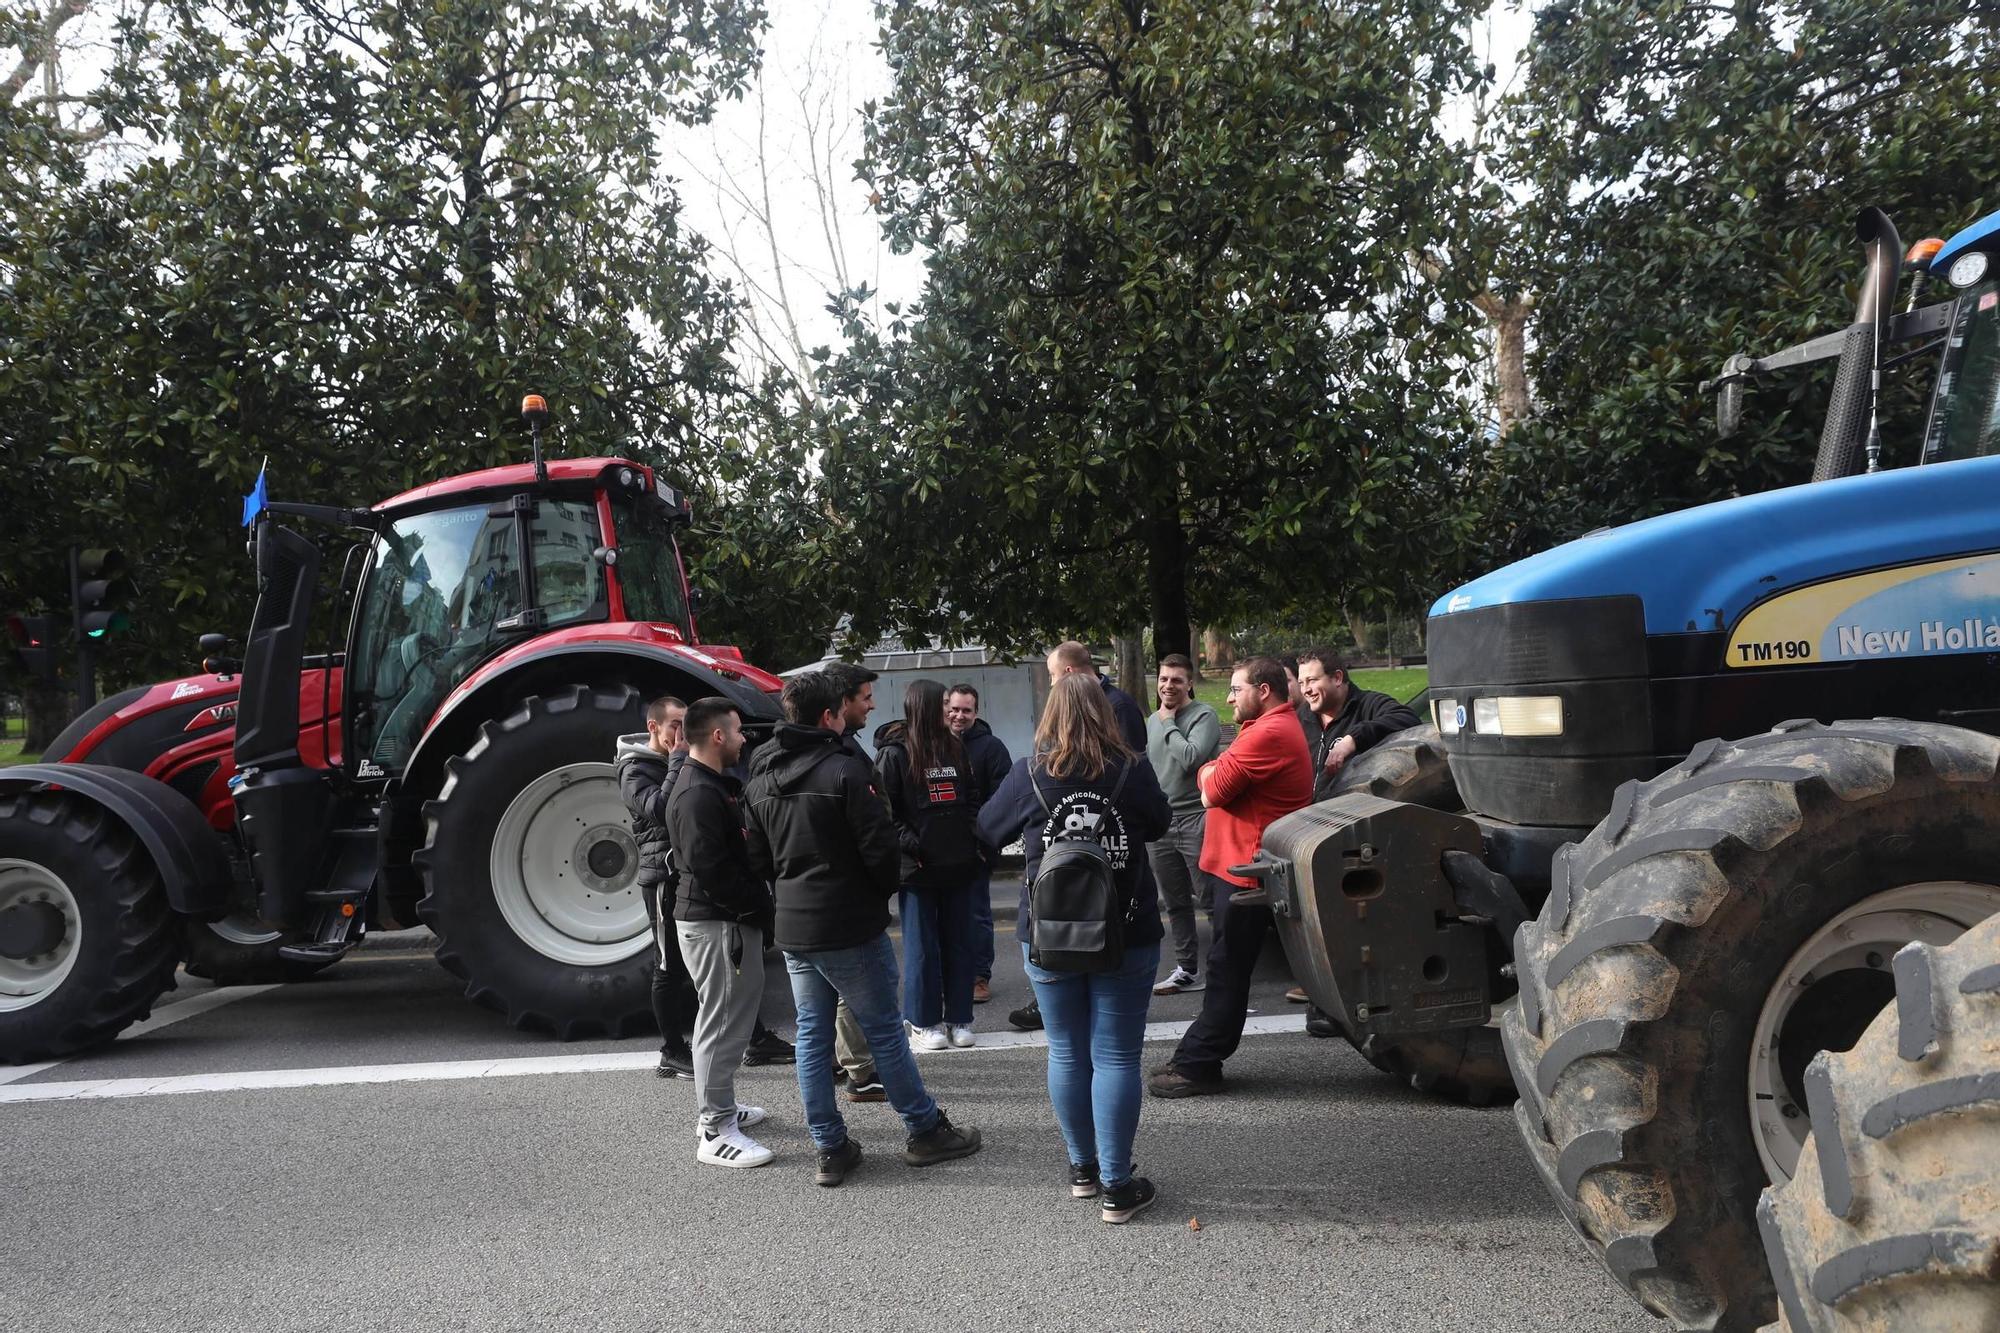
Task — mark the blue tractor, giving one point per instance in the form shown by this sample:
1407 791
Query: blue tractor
1642 876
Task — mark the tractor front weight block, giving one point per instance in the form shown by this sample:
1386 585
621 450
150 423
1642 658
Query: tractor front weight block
1368 917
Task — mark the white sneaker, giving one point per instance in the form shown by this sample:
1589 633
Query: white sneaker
746 1116
960 1034
1179 980
928 1039
732 1147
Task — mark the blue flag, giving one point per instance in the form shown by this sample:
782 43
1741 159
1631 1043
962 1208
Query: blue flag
253 503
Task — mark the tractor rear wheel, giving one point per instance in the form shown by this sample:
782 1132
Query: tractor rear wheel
1464 1065
1893 1220
87 940
529 869
1727 921
242 951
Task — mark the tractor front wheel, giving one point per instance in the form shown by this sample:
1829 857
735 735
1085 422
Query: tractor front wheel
529 869
87 940
1725 923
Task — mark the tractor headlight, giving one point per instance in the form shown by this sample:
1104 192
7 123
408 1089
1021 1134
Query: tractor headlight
1449 715
1514 715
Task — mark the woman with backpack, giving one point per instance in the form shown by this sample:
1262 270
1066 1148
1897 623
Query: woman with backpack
1085 807
934 795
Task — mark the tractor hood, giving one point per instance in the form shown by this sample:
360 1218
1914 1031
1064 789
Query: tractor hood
1701 569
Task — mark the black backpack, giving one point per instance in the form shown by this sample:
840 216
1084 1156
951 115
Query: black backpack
1078 916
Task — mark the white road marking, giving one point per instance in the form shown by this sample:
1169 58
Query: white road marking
192 1007
435 1071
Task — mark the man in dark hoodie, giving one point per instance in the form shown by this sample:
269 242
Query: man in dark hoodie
722 914
648 763
990 766
821 832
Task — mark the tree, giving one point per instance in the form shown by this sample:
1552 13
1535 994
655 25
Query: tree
350 236
1689 177
1170 317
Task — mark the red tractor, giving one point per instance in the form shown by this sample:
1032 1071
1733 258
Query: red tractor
451 767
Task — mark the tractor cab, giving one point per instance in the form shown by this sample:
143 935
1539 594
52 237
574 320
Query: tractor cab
460 571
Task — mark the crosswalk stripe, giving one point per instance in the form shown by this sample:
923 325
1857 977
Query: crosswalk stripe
521 1067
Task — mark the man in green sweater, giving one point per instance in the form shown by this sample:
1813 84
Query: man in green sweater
1181 736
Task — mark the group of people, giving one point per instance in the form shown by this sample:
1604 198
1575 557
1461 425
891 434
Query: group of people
803 852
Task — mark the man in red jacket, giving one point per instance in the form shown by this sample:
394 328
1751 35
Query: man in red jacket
1265 774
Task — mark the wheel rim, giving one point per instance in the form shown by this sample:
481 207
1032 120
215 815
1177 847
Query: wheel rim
244 929
1832 988
28 981
564 867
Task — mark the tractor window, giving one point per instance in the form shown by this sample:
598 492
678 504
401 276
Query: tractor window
569 583
1965 415
438 587
649 564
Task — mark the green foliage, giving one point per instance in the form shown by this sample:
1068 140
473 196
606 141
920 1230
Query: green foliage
348 236
1171 341
1690 176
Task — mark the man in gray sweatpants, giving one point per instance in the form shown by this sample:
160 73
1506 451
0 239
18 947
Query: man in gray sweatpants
722 918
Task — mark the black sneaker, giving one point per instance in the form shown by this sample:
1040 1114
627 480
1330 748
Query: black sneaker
1083 1180
868 1089
941 1143
1027 1018
768 1048
836 1163
676 1064
1121 1203
1319 1023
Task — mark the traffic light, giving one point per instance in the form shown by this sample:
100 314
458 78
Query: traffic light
34 641
102 590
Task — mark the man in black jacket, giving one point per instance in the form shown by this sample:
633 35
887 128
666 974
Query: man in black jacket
648 763
1340 720
821 832
722 912
990 765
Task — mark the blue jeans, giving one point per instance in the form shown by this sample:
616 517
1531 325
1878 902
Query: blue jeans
864 976
982 925
1096 1024
937 955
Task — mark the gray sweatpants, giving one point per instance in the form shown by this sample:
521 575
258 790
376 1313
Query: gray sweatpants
1176 862
729 993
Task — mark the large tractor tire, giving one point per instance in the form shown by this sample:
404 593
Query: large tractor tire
529 869
242 951
1893 1220
1464 1065
1726 922
87 940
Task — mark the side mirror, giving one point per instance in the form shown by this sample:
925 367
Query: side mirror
1729 409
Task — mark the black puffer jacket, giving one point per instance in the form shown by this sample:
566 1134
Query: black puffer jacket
645 779
934 812
712 851
822 834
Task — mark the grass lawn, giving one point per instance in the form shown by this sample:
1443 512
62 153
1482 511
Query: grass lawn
1403 682
10 753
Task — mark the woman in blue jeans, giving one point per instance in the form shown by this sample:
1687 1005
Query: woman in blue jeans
1083 775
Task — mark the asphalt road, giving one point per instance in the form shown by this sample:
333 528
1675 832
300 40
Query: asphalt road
1328 1196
